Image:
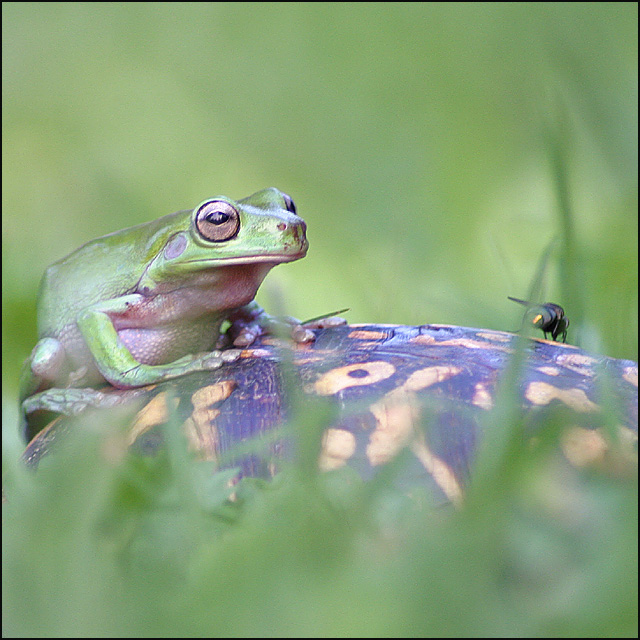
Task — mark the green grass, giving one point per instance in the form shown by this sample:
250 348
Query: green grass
435 151
101 541
104 541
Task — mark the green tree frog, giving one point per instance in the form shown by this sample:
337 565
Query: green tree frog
146 304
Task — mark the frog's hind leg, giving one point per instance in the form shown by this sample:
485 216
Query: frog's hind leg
39 409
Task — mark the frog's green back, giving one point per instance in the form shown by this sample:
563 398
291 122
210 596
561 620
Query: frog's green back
101 269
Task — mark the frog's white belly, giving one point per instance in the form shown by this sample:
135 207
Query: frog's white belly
148 345
160 345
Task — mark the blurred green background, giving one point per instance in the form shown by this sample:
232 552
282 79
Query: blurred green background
414 139
434 151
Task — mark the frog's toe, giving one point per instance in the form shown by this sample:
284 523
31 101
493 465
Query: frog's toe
247 335
215 359
300 333
230 355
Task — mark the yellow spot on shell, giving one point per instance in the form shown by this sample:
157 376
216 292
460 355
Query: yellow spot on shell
577 362
212 393
550 371
203 436
481 397
577 359
630 374
338 445
397 413
583 446
424 339
496 337
542 393
367 335
200 427
395 418
466 343
423 378
439 470
352 375
155 412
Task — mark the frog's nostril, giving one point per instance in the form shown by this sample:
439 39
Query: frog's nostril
282 226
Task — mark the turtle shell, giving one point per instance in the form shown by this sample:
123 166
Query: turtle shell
424 389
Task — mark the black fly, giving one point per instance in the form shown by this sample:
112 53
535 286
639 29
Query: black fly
548 317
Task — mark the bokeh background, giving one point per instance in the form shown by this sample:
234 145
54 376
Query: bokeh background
414 138
435 151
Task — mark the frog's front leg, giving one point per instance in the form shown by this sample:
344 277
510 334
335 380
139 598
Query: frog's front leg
251 321
114 360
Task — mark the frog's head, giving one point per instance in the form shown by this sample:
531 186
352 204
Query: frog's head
261 230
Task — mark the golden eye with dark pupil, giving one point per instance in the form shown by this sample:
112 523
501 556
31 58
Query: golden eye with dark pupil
217 221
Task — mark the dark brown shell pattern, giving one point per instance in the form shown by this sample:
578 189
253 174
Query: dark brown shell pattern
422 389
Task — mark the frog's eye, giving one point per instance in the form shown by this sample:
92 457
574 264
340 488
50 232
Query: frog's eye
289 203
217 221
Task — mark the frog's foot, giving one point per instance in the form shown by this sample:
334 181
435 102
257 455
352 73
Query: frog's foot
243 332
137 374
71 402
212 360
252 321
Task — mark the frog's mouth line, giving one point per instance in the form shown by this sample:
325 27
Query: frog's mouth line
275 258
